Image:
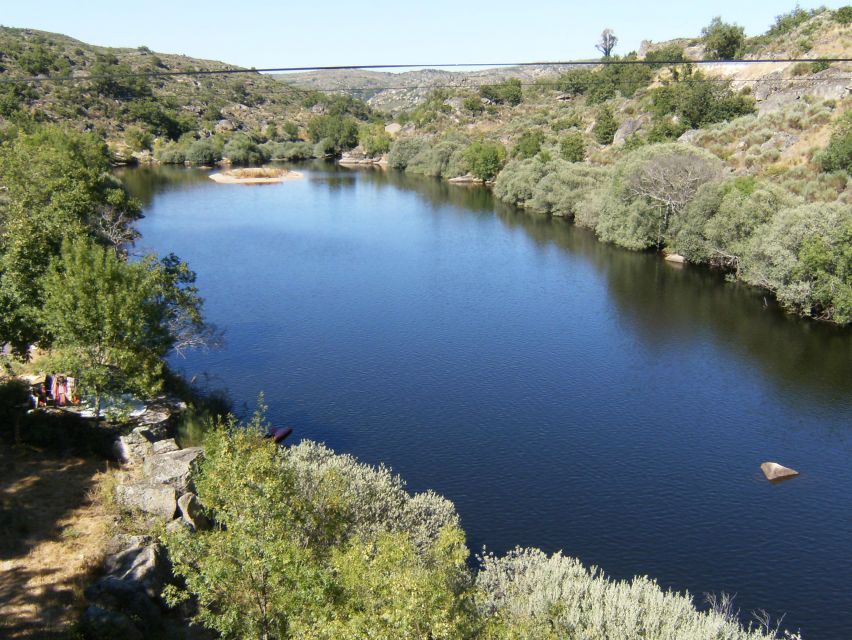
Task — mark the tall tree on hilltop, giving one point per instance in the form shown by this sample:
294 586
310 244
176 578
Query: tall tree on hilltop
607 42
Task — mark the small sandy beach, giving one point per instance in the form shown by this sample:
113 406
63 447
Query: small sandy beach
261 175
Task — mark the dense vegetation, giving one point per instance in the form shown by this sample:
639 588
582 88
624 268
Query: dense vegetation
65 279
310 544
644 155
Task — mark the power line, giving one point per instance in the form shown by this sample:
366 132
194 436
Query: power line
453 65
292 89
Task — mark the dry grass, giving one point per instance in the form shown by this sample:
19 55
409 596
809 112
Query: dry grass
54 529
257 172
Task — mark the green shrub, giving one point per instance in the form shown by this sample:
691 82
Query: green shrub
804 255
444 159
572 147
722 41
666 54
485 159
403 150
787 22
288 151
529 144
843 15
339 132
171 153
473 104
138 139
528 594
719 223
837 156
605 126
243 150
204 152
507 92
698 103
374 139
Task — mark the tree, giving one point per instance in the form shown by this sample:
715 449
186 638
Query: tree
374 139
722 41
111 322
309 544
57 186
607 42
338 132
529 144
572 147
651 188
605 126
485 159
507 92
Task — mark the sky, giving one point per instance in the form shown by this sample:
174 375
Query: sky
339 32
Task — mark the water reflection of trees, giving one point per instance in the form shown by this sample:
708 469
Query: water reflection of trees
146 182
661 302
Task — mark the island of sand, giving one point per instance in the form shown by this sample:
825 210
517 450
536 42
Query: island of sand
256 175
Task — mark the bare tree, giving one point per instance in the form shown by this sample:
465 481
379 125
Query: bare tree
607 42
670 180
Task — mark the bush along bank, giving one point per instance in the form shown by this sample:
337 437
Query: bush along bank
272 542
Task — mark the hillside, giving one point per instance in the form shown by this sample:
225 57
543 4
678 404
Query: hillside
135 113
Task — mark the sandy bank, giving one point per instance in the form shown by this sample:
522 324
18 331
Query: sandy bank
255 176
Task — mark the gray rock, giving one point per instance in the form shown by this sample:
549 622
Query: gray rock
165 446
192 512
689 135
157 499
775 472
135 446
627 129
675 258
173 468
100 623
125 596
145 565
177 525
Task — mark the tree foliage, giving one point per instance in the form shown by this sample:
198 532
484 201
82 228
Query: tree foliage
506 92
111 322
485 159
529 144
57 187
697 102
722 41
338 132
605 126
306 545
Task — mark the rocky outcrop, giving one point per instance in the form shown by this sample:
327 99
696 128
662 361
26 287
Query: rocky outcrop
172 468
129 592
154 499
126 601
776 92
629 127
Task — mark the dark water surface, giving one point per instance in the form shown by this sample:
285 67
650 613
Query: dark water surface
563 393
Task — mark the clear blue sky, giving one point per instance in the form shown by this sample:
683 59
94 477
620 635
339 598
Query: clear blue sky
328 32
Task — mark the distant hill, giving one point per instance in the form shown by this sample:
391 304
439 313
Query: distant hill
394 92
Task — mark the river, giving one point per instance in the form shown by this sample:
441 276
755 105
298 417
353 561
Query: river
563 393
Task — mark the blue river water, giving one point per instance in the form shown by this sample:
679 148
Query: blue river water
563 393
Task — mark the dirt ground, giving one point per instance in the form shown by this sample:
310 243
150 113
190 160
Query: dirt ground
53 532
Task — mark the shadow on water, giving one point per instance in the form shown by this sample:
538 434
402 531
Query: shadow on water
663 302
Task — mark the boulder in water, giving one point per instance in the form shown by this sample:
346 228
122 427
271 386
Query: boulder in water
775 472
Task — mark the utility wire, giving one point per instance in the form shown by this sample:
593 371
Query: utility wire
568 63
